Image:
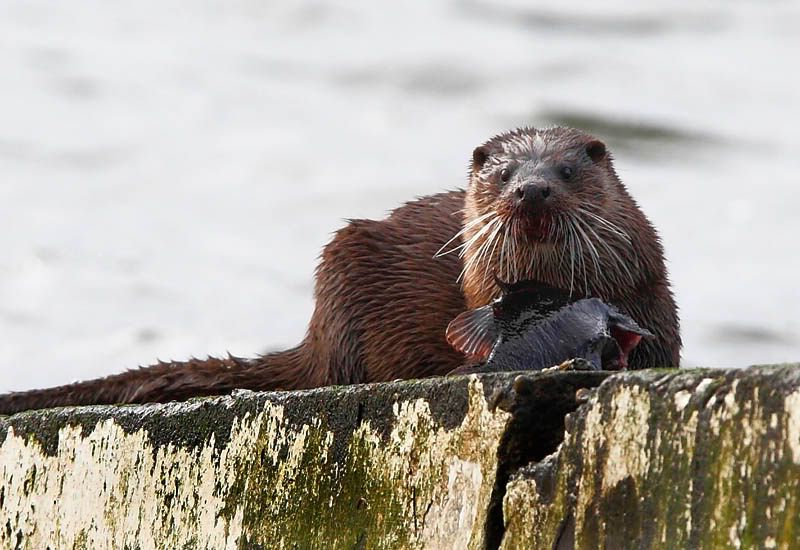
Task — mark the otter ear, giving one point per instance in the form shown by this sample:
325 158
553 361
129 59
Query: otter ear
596 150
479 156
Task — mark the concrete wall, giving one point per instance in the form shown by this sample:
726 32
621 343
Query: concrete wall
689 459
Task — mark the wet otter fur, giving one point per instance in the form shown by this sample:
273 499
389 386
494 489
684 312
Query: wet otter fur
541 204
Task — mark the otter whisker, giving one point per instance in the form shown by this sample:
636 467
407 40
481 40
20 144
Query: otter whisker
490 256
464 229
610 226
595 257
501 260
618 259
512 261
475 238
581 258
513 273
490 259
532 263
561 237
577 265
570 240
523 251
474 259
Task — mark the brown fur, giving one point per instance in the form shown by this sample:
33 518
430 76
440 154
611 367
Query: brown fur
383 300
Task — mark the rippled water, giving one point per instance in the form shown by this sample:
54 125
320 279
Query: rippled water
170 170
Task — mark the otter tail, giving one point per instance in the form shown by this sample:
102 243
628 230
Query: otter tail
285 370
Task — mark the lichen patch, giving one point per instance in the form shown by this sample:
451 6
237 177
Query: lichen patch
792 407
273 482
681 399
628 452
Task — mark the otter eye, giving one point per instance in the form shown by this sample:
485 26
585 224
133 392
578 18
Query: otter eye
505 175
565 172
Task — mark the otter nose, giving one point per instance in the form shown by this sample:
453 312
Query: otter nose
533 194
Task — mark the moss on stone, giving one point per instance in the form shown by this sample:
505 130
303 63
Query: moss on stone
660 459
690 459
364 465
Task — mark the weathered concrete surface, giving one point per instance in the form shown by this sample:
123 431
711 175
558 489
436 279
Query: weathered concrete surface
659 459
409 464
691 459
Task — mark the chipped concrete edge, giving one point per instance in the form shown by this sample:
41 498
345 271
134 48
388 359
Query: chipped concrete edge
414 482
690 459
654 459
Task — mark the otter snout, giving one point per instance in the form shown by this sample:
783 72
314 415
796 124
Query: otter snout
534 195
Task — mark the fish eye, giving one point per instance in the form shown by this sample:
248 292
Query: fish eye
505 175
565 172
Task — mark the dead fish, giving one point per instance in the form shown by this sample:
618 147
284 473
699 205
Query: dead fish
533 326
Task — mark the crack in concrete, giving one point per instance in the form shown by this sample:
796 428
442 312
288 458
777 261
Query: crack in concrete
538 407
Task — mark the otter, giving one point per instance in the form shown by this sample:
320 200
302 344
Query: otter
542 204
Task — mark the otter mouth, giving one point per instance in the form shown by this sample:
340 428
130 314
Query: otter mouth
536 227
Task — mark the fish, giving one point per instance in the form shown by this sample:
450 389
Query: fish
534 326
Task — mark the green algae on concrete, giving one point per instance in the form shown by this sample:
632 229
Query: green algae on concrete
669 459
405 464
652 459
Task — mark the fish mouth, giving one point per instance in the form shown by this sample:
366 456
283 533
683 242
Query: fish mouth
625 336
615 355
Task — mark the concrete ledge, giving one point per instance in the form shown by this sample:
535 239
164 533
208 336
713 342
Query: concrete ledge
691 459
703 458
411 464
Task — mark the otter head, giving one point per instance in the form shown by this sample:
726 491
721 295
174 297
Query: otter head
541 205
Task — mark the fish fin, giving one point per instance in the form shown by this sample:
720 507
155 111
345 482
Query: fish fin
473 333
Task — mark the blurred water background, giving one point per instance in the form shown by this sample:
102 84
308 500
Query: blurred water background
169 171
